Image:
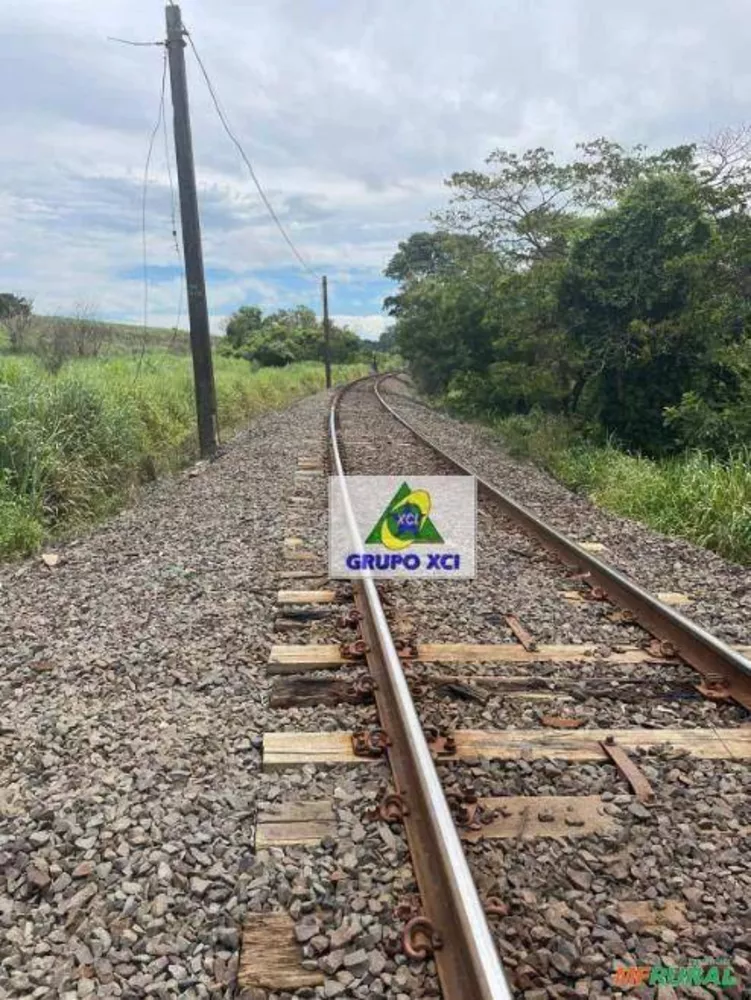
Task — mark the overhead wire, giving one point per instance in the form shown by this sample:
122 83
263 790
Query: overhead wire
127 41
173 216
144 200
269 207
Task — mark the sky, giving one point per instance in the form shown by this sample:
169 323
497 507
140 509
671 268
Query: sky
353 112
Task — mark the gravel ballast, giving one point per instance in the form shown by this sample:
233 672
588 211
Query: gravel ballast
720 591
135 700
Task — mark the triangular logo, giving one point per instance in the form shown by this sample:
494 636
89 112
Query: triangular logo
405 521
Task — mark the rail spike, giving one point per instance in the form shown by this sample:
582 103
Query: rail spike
420 939
370 743
393 808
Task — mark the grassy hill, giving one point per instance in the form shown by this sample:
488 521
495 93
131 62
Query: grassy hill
83 336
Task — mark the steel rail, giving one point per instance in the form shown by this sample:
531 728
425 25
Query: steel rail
722 667
465 953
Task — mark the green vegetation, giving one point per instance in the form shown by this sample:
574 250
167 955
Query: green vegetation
609 295
88 410
84 333
74 443
290 335
694 496
57 339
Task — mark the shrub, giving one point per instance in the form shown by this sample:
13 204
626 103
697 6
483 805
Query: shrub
694 496
75 443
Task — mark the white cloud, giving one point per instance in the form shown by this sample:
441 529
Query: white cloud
352 112
370 327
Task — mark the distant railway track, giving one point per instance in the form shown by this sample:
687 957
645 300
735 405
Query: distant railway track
455 919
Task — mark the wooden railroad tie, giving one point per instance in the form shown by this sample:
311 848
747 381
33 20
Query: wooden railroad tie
291 659
296 749
270 957
295 823
297 690
305 691
306 596
293 542
520 817
671 598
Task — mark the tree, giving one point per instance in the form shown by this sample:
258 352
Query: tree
345 345
534 362
529 206
242 325
285 336
440 328
12 305
490 340
616 286
386 343
16 316
715 416
724 164
87 334
431 254
629 298
270 348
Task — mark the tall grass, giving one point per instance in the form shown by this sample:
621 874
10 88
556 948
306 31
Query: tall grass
692 496
74 445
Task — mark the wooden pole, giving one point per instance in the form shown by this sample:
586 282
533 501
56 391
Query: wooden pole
326 332
200 338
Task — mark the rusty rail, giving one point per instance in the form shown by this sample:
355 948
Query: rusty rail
453 926
726 672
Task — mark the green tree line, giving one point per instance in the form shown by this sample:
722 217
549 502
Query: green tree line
288 335
614 288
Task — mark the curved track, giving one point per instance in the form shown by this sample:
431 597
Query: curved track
723 668
467 960
457 929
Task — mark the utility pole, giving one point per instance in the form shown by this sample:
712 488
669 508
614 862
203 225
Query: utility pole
326 332
200 339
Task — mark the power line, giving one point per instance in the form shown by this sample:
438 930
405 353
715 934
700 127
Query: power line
236 141
161 118
168 161
127 41
173 214
149 154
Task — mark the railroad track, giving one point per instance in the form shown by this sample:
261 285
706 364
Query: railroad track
489 743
